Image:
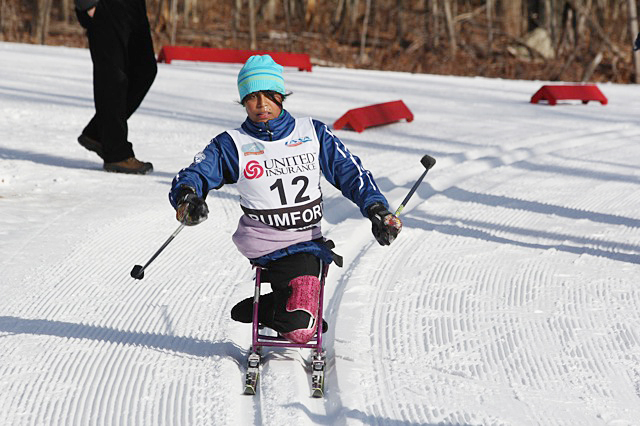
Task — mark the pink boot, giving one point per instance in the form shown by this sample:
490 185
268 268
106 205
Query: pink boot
304 297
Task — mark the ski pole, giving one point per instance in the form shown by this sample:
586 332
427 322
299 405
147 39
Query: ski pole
138 271
428 162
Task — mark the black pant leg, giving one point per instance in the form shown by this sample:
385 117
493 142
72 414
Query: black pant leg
272 310
108 43
243 311
142 67
280 273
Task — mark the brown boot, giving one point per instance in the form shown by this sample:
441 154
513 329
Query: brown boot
90 144
131 165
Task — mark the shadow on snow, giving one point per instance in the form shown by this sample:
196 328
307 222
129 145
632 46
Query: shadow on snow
486 231
184 345
364 418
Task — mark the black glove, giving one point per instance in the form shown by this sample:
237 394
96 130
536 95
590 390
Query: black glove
384 224
636 45
191 209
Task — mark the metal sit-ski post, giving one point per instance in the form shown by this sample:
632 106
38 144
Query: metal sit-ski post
261 340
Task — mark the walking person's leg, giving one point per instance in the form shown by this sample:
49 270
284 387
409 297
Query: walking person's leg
108 36
142 66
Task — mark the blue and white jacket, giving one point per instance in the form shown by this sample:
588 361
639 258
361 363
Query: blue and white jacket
217 165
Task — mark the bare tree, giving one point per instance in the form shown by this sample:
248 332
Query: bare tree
597 29
435 22
236 18
3 14
190 14
66 8
633 30
252 25
43 12
400 20
511 11
589 36
489 11
160 9
588 72
339 12
173 16
270 10
583 13
287 19
363 38
310 13
450 26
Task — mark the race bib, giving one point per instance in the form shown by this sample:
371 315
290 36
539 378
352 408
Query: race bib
279 181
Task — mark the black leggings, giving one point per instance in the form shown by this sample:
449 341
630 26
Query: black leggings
272 310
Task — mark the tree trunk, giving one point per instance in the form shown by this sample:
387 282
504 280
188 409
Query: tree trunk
633 30
399 17
351 13
287 21
174 21
3 12
450 26
363 38
512 17
43 9
309 14
65 11
552 16
588 72
581 24
598 30
236 19
190 14
489 6
159 14
337 16
435 21
545 15
252 25
355 5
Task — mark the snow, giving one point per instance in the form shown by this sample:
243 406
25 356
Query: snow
511 296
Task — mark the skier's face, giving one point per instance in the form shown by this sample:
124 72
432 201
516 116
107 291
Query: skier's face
260 108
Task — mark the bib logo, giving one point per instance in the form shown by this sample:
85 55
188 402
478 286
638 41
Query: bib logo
254 148
297 142
253 170
295 164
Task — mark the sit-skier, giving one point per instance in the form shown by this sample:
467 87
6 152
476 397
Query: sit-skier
276 161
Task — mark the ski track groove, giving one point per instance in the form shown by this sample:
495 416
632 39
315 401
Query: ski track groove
110 379
390 322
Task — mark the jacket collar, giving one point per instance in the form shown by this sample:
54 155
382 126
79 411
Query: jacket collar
272 130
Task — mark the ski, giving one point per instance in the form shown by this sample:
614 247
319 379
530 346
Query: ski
253 373
318 364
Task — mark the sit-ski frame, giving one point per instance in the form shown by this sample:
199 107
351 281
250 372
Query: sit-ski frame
261 340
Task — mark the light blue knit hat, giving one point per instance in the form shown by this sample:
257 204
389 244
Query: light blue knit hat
260 72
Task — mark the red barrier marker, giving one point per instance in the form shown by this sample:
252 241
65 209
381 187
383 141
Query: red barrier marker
373 115
582 92
302 61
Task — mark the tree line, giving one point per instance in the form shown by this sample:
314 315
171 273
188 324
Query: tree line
568 40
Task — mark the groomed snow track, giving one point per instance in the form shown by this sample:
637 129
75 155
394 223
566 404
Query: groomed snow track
510 298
